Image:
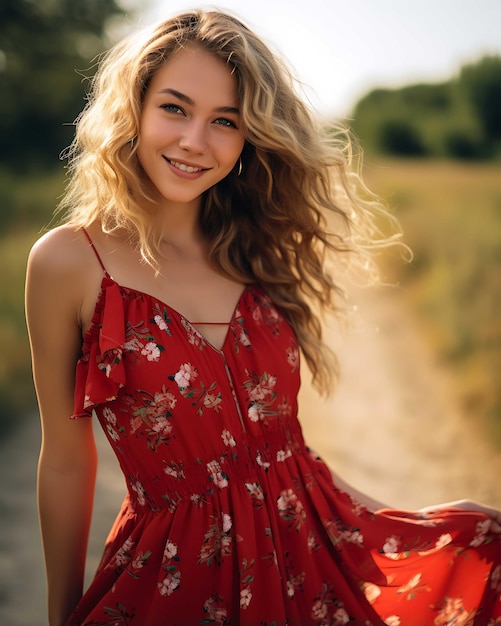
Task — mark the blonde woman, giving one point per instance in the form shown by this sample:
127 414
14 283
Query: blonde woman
173 305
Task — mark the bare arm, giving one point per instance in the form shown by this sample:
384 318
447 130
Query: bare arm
67 465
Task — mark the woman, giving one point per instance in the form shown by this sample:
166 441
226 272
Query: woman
173 304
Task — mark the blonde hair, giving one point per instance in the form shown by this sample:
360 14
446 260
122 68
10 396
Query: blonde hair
270 224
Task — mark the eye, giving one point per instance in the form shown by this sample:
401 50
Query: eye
172 108
223 121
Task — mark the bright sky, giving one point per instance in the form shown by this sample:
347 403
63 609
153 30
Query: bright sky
343 48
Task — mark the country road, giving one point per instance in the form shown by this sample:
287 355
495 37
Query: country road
392 429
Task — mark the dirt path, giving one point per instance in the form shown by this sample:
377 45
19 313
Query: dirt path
391 430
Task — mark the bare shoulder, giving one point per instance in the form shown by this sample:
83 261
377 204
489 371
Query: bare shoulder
62 273
61 251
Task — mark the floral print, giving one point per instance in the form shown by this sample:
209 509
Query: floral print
185 378
229 519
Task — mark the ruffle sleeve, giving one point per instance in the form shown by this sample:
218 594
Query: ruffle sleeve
100 371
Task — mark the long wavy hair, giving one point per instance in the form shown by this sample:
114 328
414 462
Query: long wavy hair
297 202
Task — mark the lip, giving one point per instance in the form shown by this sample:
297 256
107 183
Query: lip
184 169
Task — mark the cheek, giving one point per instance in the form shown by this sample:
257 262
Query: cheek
232 150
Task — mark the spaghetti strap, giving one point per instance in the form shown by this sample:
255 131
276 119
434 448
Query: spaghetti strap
95 251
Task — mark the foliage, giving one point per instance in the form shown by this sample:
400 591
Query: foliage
482 85
30 203
459 118
451 217
45 46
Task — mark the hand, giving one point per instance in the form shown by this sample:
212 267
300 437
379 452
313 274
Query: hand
470 505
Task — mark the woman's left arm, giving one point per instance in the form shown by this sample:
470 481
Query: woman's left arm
469 505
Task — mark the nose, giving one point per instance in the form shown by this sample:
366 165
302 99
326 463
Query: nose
194 137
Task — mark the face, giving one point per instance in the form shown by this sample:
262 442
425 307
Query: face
190 132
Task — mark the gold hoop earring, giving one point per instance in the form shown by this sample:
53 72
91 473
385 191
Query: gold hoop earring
240 166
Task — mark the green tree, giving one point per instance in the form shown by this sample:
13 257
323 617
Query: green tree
481 83
45 47
458 118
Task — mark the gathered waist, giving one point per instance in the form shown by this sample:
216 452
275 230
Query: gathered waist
202 480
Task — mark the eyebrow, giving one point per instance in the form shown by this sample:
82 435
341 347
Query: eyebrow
184 98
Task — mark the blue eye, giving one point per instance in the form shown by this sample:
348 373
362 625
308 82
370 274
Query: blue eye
171 108
223 121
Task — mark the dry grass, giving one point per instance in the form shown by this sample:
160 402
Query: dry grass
451 217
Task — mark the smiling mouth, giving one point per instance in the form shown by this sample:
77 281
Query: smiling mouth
185 168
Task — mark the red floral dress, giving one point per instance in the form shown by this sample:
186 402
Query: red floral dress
229 518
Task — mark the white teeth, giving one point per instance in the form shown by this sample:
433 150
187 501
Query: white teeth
185 168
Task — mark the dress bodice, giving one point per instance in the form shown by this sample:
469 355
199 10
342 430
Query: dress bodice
173 405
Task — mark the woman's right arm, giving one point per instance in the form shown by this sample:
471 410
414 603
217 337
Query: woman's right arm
67 464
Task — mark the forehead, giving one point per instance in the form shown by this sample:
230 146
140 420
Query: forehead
193 71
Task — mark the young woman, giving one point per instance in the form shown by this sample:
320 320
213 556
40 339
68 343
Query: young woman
173 305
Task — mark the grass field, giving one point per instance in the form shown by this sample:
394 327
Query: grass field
451 217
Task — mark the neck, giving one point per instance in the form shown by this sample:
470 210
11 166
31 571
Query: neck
178 224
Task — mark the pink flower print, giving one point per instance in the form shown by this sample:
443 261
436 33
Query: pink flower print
164 401
216 613
255 412
442 541
263 389
175 470
140 560
123 555
392 620
185 376
313 543
135 423
283 454
257 316
295 582
170 551
243 338
290 508
340 617
169 584
138 488
453 612
413 586
261 395
162 427
353 536
256 494
212 401
264 464
391 546
111 421
227 523
245 597
496 579
228 438
195 338
216 474
160 322
371 592
109 360
217 542
319 610
292 353
133 345
482 529
151 351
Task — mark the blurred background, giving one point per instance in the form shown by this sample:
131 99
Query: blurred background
419 83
